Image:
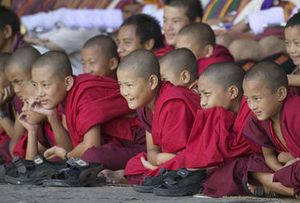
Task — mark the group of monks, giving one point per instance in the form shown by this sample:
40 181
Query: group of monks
171 117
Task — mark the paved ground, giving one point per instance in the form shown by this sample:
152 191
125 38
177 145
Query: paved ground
107 194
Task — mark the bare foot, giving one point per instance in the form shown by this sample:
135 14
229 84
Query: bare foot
114 177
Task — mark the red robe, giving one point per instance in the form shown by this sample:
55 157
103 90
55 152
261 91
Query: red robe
96 100
217 140
173 116
163 51
217 137
45 137
220 54
261 132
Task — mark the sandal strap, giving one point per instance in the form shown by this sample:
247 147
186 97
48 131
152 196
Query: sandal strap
76 163
18 162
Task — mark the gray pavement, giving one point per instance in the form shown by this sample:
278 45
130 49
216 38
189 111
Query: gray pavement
107 194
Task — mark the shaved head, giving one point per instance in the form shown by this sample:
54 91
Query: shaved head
105 43
23 58
201 32
3 58
142 62
225 74
57 60
181 59
272 75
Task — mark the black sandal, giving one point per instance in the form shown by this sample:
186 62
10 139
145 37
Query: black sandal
78 173
184 183
152 182
28 172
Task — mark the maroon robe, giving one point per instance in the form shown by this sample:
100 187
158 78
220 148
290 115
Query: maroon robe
261 132
173 117
223 146
217 137
220 54
96 100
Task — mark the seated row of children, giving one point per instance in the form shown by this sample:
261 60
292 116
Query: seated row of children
159 136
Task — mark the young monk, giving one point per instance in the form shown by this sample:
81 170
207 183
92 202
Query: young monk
99 56
177 14
201 40
274 126
291 35
216 138
97 116
18 72
6 112
140 31
140 84
9 31
180 68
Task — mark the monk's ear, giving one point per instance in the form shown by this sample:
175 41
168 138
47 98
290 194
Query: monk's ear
7 30
281 93
185 76
233 91
149 44
153 81
208 50
113 63
69 82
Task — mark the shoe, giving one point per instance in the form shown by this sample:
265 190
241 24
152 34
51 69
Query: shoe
185 183
30 172
77 173
152 182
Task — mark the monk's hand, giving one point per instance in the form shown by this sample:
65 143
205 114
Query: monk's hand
147 164
35 106
284 157
6 95
164 157
291 162
28 126
55 152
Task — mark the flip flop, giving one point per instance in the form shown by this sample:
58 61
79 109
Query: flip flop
78 173
259 191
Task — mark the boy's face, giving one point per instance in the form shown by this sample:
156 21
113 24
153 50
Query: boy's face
94 61
167 73
175 18
128 41
30 116
185 41
135 89
213 94
19 79
292 43
50 89
261 100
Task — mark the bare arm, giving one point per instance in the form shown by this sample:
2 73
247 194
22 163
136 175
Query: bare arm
61 135
154 154
271 159
18 132
294 80
32 145
91 138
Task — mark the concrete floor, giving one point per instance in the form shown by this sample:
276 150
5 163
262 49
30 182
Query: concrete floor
107 194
